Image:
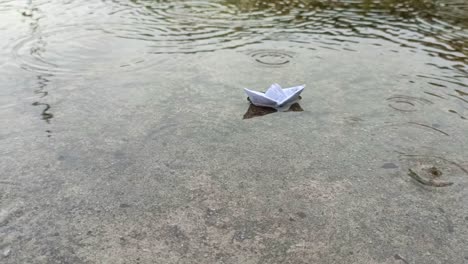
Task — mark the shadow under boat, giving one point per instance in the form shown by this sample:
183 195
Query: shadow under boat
256 111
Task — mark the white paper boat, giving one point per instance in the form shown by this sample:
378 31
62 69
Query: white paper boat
275 97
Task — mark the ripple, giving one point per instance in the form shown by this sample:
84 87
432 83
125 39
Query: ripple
6 6
399 136
421 126
408 135
186 26
456 113
408 23
271 57
406 103
147 28
79 49
429 127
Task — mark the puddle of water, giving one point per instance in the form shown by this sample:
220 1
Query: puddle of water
146 98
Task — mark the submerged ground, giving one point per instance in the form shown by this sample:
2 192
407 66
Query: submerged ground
126 136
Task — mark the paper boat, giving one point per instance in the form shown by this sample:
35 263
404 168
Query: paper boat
275 97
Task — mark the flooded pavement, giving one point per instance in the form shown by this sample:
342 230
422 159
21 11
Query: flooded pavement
127 137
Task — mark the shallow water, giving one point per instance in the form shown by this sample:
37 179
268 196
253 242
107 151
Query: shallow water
126 134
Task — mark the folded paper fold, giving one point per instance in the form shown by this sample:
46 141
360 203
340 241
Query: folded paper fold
275 97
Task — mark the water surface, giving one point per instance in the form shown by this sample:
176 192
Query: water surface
127 138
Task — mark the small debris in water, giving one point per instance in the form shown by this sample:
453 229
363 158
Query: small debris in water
429 182
435 172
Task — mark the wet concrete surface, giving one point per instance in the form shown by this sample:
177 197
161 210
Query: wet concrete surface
158 164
